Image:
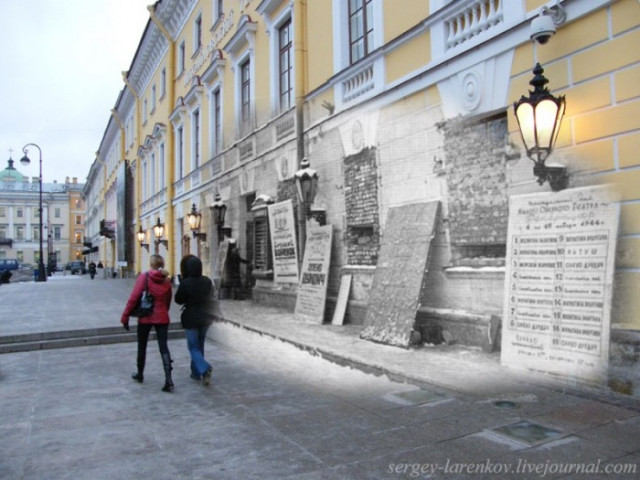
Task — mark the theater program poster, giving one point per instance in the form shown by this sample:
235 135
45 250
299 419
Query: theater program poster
283 242
312 289
558 283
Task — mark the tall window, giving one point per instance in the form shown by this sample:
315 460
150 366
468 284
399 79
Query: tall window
181 53
360 29
144 181
3 211
197 33
152 180
180 152
196 138
3 232
245 95
217 118
57 232
163 83
20 256
144 111
78 219
56 212
19 232
36 233
218 10
161 167
284 47
19 212
153 98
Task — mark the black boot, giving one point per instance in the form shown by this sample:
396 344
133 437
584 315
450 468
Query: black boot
138 376
166 363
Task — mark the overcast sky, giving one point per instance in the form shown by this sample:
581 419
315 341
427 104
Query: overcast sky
60 76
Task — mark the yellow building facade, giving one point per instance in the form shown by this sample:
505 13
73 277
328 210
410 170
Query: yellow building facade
393 103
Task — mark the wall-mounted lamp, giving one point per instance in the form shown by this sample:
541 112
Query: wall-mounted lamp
158 230
539 117
307 184
194 218
218 212
142 236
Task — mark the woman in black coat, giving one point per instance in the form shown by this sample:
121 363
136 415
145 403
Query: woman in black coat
196 294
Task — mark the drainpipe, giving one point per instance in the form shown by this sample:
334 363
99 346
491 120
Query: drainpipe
169 150
301 81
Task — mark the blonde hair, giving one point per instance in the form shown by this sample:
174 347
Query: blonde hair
156 262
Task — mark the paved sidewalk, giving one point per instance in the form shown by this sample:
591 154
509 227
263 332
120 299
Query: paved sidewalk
278 410
76 302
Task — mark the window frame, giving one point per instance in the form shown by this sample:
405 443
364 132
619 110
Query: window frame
181 58
180 152
196 139
367 28
197 33
216 120
341 28
287 51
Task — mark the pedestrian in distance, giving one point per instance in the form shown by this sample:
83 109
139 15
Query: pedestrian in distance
92 270
233 275
196 294
158 283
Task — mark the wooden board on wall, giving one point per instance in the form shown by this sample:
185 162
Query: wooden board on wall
312 290
343 298
558 282
400 273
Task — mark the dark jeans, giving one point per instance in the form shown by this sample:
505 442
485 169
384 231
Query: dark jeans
162 332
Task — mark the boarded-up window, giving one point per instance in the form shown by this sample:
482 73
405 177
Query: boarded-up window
261 242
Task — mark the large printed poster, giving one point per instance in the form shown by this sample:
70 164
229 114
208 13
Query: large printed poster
283 242
312 290
558 284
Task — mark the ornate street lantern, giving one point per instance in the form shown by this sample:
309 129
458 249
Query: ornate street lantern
194 218
307 184
158 230
142 236
539 117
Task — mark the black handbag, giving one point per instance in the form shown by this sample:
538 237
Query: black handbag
145 304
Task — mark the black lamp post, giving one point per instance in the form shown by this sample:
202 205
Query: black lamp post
539 117
42 276
218 211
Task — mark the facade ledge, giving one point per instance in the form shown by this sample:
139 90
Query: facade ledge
245 35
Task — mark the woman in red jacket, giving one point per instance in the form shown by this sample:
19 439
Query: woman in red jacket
159 285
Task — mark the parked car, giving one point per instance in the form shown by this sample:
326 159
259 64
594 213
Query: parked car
9 264
76 267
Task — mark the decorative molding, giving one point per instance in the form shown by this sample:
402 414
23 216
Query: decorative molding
195 93
215 68
179 113
245 35
478 89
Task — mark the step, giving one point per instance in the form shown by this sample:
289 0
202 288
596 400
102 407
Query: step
62 334
92 338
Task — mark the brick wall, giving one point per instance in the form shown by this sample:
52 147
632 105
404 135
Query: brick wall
476 180
361 201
